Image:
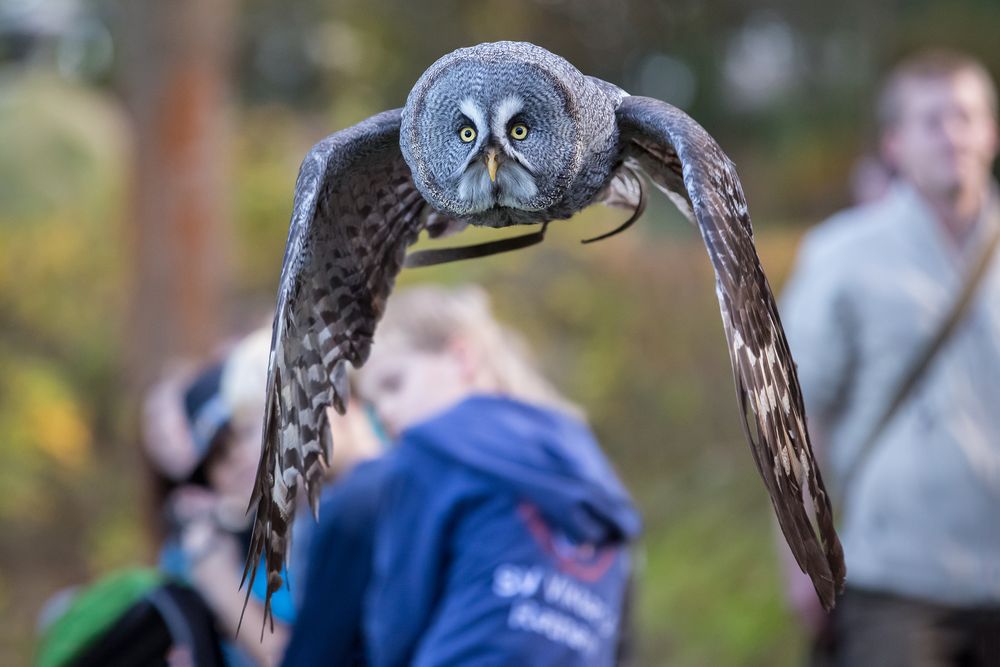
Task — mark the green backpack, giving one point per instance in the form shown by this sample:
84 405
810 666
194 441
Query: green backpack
92 611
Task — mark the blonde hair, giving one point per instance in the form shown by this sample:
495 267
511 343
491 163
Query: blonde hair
243 385
429 317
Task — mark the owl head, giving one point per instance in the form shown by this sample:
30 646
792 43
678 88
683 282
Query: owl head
497 125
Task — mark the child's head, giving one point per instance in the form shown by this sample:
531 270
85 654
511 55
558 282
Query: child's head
436 346
203 427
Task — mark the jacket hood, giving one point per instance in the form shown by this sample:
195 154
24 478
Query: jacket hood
546 457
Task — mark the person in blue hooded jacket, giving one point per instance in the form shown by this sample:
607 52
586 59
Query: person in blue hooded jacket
495 533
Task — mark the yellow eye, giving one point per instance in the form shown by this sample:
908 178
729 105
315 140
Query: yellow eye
519 131
467 134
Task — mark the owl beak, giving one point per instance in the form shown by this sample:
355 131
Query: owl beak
491 164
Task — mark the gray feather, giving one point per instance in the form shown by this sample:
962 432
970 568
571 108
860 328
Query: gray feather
681 157
355 211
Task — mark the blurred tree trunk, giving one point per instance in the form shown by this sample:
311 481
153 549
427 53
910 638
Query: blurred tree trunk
176 72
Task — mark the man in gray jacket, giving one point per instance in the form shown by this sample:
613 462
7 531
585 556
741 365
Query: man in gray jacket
920 519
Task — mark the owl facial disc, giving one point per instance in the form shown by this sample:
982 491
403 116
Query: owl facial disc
491 135
495 173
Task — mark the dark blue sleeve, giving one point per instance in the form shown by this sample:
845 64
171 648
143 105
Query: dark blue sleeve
327 629
410 551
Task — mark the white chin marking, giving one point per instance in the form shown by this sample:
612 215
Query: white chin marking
475 188
514 187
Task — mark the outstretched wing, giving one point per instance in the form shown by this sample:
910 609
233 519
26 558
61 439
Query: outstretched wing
687 164
356 210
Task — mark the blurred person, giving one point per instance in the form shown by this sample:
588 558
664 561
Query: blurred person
355 441
333 555
870 179
205 510
495 532
130 616
201 437
354 434
872 284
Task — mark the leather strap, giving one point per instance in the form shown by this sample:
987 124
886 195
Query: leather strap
434 256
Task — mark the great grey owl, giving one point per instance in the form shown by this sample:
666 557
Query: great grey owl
510 134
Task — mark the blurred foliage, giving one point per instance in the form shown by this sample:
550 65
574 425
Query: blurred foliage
630 327
62 275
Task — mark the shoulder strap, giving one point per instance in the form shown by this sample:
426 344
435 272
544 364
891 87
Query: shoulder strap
921 362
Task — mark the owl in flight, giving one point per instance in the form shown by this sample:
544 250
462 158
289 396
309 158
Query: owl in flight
496 135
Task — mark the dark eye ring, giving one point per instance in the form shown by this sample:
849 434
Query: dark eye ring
519 131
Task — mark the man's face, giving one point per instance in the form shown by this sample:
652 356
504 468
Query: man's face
945 138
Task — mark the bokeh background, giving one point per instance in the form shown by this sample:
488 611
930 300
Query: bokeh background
148 152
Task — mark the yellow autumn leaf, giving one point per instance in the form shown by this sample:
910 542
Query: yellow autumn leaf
61 432
44 415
